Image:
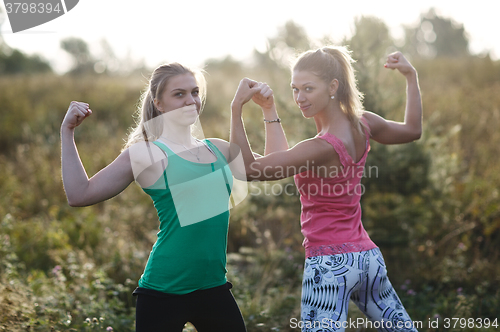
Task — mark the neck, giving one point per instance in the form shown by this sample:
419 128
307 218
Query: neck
177 134
328 119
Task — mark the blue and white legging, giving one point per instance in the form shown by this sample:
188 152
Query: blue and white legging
331 281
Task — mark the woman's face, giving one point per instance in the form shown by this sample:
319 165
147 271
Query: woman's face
310 92
181 96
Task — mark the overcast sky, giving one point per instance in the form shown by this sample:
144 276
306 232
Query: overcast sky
193 31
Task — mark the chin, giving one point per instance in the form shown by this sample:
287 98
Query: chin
307 116
193 120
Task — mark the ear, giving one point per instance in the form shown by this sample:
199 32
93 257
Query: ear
334 85
158 105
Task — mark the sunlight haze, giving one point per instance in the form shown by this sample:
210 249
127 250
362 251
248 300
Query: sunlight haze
191 32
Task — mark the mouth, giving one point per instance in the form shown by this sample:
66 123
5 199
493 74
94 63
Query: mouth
190 109
304 107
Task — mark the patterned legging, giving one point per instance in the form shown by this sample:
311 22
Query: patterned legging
331 281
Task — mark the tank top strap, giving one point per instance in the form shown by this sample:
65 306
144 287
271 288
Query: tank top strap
367 135
212 147
166 153
164 148
221 159
339 147
366 129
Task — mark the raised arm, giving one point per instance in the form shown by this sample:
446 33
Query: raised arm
80 190
280 164
237 135
391 132
275 135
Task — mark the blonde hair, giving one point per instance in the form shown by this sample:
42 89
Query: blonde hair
146 130
335 62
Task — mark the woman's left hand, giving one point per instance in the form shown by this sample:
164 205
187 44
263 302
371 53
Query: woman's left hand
246 91
398 61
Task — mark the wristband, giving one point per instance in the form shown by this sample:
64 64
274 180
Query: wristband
271 121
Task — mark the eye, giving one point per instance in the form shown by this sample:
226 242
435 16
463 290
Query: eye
308 89
295 90
179 94
195 92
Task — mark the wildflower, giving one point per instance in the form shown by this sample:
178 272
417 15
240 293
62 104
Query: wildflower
68 319
56 269
411 292
459 290
109 329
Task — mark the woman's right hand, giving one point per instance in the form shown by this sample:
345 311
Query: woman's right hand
264 98
77 112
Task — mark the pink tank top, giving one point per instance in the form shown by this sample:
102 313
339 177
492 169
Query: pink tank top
331 210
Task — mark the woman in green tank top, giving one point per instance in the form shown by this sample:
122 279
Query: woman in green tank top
189 181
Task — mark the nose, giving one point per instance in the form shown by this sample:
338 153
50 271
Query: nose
190 100
299 97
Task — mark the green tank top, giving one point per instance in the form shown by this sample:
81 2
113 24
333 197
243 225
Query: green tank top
192 201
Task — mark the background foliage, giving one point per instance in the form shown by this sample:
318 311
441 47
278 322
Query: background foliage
432 207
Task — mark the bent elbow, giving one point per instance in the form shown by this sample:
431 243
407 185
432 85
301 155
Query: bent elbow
251 177
414 134
253 171
75 202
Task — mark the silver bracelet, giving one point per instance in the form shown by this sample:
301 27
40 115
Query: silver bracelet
271 121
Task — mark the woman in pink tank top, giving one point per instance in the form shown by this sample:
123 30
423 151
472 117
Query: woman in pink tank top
342 263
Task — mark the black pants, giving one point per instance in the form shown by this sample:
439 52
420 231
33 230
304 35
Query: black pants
209 310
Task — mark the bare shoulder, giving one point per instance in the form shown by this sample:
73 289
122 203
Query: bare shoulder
324 154
144 154
221 144
371 117
315 148
145 150
375 122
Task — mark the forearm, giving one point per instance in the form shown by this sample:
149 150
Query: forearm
275 135
238 136
413 112
75 179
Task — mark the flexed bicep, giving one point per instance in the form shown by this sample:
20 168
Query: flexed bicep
107 183
393 132
388 132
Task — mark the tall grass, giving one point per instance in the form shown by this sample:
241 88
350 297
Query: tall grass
433 208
